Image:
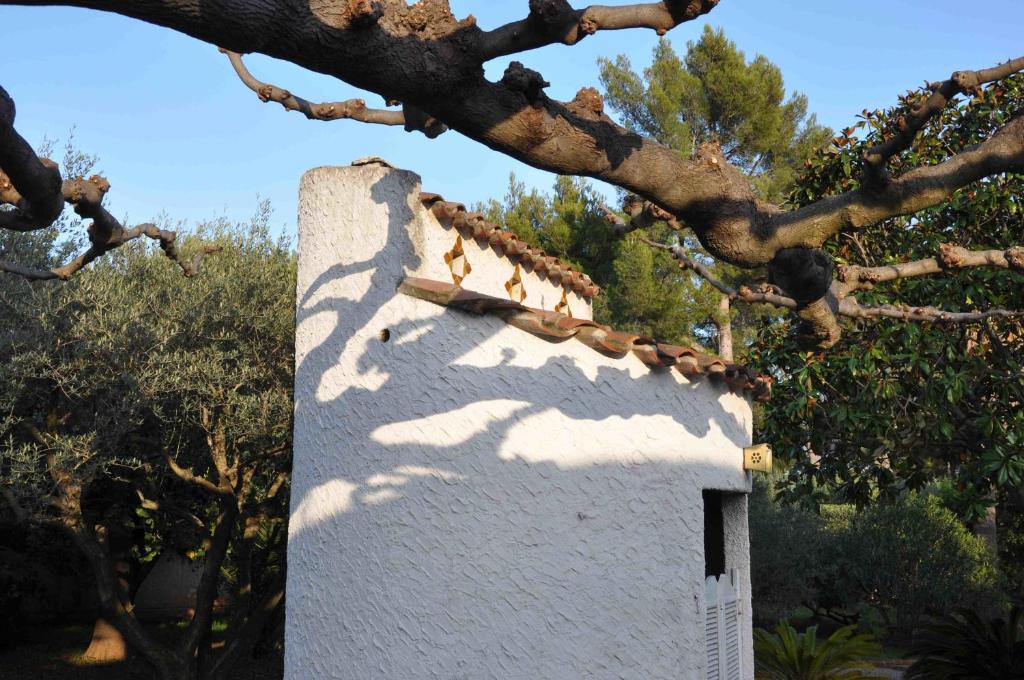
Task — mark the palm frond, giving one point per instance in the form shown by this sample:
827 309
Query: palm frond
789 655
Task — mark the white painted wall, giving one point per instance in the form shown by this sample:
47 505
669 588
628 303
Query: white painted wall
470 501
737 556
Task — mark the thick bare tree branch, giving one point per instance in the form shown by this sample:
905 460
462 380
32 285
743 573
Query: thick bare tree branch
33 186
170 508
216 549
424 57
820 315
942 93
918 189
849 307
354 109
555 21
189 477
950 258
117 236
350 108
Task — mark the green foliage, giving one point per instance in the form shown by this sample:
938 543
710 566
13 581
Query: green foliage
789 655
129 365
648 294
1010 526
900 560
909 557
140 352
714 93
964 646
898 404
711 94
784 579
568 223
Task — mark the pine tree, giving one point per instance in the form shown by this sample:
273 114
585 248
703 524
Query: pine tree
714 94
711 94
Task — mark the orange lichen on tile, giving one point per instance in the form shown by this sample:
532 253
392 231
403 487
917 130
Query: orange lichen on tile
563 306
457 261
514 286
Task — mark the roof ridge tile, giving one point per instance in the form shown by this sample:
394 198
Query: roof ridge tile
554 325
511 246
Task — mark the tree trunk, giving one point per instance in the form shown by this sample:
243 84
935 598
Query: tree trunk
724 326
108 645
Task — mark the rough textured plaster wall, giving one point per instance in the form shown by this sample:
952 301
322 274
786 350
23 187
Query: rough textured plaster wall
737 556
470 501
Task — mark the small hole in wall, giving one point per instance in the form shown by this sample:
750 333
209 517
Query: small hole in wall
384 335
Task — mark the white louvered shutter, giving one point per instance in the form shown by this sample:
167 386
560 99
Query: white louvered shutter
722 627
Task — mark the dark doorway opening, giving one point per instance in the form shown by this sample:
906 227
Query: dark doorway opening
714 534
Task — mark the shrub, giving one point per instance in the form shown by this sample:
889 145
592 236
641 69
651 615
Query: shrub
909 558
901 559
782 579
1011 548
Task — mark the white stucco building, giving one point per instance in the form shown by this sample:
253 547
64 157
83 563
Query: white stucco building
486 483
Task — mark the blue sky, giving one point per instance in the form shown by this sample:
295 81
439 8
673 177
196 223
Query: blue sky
177 133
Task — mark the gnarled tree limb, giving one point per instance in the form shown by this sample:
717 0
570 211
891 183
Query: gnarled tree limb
942 93
33 186
354 109
114 238
849 307
555 21
819 315
189 477
916 190
215 548
950 257
423 56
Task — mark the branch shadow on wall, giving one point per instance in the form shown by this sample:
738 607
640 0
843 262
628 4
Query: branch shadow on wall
513 496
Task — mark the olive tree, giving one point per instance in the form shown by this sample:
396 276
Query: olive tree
143 414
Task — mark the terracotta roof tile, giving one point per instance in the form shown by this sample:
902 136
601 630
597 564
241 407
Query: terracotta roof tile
474 224
686 360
